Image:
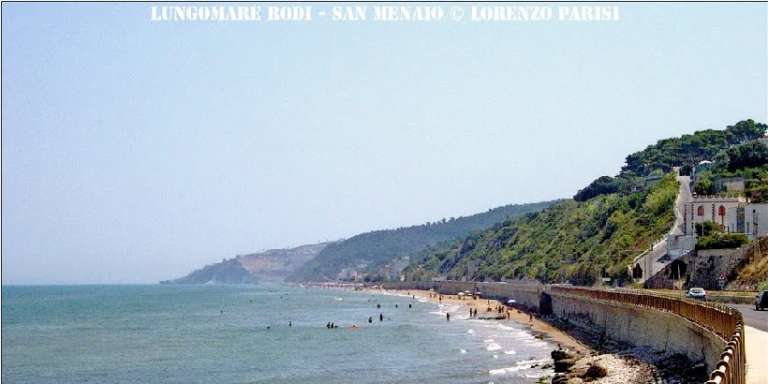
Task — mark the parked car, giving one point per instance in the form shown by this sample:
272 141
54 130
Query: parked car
761 301
697 293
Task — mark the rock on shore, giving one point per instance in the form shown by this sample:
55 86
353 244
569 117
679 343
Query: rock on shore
573 368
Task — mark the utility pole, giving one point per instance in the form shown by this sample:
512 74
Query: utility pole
756 254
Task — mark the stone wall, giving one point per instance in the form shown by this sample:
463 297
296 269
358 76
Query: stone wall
700 268
709 264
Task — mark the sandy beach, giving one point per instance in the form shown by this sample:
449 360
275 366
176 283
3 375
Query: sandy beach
537 327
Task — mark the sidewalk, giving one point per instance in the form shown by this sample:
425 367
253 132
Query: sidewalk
757 355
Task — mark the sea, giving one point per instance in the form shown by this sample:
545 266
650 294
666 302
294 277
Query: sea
270 333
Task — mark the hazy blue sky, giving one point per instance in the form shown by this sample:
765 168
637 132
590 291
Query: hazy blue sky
135 151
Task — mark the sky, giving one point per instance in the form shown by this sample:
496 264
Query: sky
135 151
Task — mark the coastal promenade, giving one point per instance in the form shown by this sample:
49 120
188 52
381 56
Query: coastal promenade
757 343
757 355
712 333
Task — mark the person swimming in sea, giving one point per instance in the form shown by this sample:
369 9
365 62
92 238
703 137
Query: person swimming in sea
381 317
447 316
370 319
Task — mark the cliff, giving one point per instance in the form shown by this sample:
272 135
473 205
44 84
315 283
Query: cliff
274 264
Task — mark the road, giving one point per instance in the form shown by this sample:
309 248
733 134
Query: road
753 318
684 197
650 262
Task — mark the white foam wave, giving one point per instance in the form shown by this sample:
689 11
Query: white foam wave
506 370
505 327
532 362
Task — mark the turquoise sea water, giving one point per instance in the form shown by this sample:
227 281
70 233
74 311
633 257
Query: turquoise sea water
178 334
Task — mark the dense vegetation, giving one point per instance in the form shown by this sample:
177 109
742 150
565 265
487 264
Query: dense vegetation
370 252
711 236
576 241
599 233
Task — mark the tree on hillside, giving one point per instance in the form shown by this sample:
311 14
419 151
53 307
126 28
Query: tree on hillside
744 131
601 186
751 154
690 149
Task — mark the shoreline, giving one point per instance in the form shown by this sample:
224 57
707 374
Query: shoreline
574 360
538 327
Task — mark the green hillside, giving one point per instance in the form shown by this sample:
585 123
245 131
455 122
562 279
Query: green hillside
377 253
595 235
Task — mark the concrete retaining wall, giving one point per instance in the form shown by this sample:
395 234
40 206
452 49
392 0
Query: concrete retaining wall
638 326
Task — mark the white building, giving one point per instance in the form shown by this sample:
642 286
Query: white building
732 212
